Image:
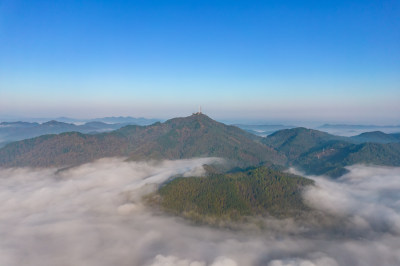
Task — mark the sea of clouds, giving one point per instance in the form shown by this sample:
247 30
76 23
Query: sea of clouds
94 215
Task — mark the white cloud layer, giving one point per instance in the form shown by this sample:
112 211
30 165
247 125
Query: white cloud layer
93 215
367 199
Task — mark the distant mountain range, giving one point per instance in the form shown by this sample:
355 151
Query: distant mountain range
335 129
262 130
127 119
14 131
357 126
109 120
353 130
312 151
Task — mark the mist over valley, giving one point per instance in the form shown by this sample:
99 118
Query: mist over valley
94 214
199 133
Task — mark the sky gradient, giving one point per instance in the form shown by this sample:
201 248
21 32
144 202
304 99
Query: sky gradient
328 61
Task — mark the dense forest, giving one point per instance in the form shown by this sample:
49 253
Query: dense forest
232 196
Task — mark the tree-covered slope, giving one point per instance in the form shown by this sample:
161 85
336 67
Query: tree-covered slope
188 137
294 142
199 136
332 158
258 191
320 153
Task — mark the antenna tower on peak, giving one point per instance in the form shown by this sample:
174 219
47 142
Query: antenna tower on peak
199 112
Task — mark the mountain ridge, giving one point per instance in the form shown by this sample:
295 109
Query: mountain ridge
15 131
177 138
320 153
309 150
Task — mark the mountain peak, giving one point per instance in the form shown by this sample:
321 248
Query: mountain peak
199 116
193 136
195 117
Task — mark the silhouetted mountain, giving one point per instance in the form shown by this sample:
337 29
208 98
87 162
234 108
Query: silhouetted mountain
193 136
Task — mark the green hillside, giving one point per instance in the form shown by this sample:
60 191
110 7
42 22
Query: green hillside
332 158
320 153
258 191
200 136
294 142
188 137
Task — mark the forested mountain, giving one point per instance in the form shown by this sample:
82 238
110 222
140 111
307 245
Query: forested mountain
316 152
312 151
193 136
258 191
199 136
296 141
330 159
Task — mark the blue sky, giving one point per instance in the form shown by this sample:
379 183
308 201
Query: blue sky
330 61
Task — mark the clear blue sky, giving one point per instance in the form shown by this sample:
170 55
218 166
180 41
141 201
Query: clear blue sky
333 61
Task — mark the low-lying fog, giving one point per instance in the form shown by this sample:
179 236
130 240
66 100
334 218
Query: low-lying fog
93 215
